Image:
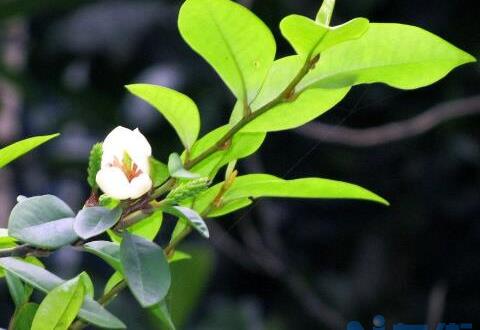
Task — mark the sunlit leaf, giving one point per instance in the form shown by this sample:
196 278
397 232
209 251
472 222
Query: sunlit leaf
309 38
13 151
145 268
264 185
401 56
241 146
324 15
307 106
238 45
180 111
60 306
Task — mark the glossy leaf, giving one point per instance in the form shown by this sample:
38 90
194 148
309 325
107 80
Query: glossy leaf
401 56
309 38
45 281
162 315
236 43
145 268
13 151
107 251
23 318
193 218
93 221
42 221
241 146
264 185
60 307
179 110
36 276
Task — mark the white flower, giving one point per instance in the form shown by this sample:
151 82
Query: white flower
125 168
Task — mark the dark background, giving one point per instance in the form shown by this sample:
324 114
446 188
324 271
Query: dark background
283 264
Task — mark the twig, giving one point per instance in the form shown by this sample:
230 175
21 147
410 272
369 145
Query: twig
395 131
24 251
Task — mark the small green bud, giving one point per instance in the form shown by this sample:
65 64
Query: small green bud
187 190
94 164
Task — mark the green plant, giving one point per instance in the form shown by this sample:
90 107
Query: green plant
272 95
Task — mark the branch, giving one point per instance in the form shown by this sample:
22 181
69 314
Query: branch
395 131
24 251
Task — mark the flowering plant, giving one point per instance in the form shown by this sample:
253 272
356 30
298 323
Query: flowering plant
132 190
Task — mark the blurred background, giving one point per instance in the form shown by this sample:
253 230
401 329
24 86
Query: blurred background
282 264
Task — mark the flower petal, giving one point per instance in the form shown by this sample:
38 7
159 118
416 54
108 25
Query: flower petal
140 185
113 182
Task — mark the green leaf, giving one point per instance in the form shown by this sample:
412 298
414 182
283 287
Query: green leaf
107 251
324 15
115 279
19 292
282 73
401 56
45 281
180 111
13 151
94 164
176 169
146 269
310 38
96 314
23 318
236 43
93 221
289 114
158 172
87 284
264 185
36 276
179 256
307 106
42 221
180 226
162 315
147 228
60 307
241 146
193 218
5 240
